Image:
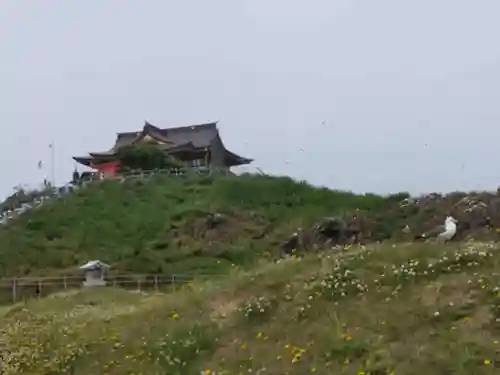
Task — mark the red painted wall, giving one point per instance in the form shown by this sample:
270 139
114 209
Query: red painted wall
110 167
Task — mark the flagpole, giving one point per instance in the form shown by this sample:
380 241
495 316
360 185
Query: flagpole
52 164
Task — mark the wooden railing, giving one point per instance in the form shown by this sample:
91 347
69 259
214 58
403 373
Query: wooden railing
201 171
191 171
21 288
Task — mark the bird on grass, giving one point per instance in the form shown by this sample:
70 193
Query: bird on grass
442 233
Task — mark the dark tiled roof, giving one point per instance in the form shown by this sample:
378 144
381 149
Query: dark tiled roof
200 135
177 147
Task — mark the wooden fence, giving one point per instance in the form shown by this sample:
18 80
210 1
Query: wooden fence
176 172
201 171
17 289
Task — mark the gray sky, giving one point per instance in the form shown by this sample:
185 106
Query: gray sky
382 95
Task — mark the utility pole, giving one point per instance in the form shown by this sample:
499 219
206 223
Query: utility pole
52 164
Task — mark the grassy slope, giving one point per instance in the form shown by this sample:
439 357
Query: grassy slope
158 225
417 309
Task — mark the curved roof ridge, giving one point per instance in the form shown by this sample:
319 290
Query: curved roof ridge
180 127
212 124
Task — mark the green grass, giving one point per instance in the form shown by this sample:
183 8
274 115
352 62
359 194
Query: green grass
413 309
159 225
382 309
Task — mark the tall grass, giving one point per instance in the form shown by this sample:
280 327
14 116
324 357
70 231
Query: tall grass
421 310
144 225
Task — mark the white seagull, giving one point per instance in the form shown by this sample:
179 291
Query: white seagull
444 232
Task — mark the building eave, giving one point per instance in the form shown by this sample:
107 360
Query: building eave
103 154
235 159
84 160
91 160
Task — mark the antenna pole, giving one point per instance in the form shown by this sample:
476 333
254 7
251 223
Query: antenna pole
52 164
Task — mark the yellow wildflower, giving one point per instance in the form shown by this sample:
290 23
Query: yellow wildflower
346 337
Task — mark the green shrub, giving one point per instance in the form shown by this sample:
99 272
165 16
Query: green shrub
146 156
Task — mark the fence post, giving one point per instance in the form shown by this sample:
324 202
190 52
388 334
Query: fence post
173 282
14 290
139 284
65 281
39 288
156 283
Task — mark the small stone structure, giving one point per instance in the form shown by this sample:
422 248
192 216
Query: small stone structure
94 273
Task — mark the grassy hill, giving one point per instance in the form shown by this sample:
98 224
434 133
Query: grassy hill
399 309
161 225
413 309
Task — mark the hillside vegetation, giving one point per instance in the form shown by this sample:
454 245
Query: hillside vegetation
380 310
162 224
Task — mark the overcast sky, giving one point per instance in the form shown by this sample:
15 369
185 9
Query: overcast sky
381 95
